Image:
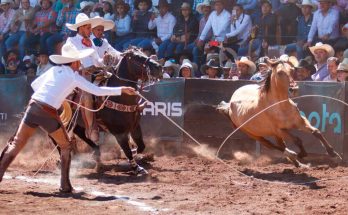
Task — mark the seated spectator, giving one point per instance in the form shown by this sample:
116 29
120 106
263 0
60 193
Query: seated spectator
66 15
186 69
246 68
240 28
287 16
263 70
140 21
43 62
164 23
226 69
185 31
332 64
28 66
42 28
170 69
87 7
250 6
204 9
342 71
122 24
21 23
212 69
303 28
325 24
266 35
108 10
304 71
218 21
321 53
11 63
6 18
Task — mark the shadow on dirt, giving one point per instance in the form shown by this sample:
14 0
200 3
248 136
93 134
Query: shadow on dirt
287 176
80 196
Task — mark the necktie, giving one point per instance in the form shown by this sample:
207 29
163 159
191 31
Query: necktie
98 42
87 42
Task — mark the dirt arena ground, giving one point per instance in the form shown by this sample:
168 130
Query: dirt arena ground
180 181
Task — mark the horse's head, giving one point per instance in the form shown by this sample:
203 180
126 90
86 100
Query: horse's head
140 66
282 70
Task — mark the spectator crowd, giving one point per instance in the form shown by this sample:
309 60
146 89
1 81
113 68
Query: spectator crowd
225 39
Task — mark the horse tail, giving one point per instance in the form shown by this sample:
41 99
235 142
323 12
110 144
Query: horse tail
223 108
66 114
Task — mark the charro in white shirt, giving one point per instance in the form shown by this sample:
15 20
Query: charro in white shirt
58 82
219 23
92 60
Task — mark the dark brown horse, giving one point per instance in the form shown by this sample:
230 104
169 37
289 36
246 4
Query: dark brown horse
249 101
133 66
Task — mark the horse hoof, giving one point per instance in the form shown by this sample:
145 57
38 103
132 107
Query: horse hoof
68 189
139 170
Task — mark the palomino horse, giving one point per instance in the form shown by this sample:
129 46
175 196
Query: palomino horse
121 116
248 101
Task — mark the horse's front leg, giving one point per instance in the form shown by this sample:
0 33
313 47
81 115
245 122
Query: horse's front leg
286 135
123 141
137 136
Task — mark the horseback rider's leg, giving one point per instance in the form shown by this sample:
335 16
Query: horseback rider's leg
61 138
89 117
14 146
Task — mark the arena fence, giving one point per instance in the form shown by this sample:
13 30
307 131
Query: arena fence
191 103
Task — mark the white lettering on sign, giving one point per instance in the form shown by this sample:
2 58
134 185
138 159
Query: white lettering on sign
165 108
3 116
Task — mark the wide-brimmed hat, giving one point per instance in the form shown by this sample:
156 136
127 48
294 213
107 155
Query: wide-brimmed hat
81 20
100 21
70 54
212 63
170 64
6 2
84 4
343 66
308 3
262 61
245 60
325 47
205 3
186 63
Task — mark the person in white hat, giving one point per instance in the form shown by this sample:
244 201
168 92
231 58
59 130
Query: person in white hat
325 23
101 44
170 69
342 71
246 68
321 53
81 41
86 7
50 91
303 26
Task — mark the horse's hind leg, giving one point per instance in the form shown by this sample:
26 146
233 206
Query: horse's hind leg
309 128
123 141
137 136
286 135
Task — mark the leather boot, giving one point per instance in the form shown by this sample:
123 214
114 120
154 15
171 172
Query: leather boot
65 158
14 146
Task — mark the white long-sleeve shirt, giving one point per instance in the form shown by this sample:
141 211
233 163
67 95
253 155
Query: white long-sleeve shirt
107 48
241 28
58 82
165 26
325 25
92 60
219 24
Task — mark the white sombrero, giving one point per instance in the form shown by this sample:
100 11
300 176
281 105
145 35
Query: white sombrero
70 54
81 20
100 21
308 3
325 47
245 60
205 3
